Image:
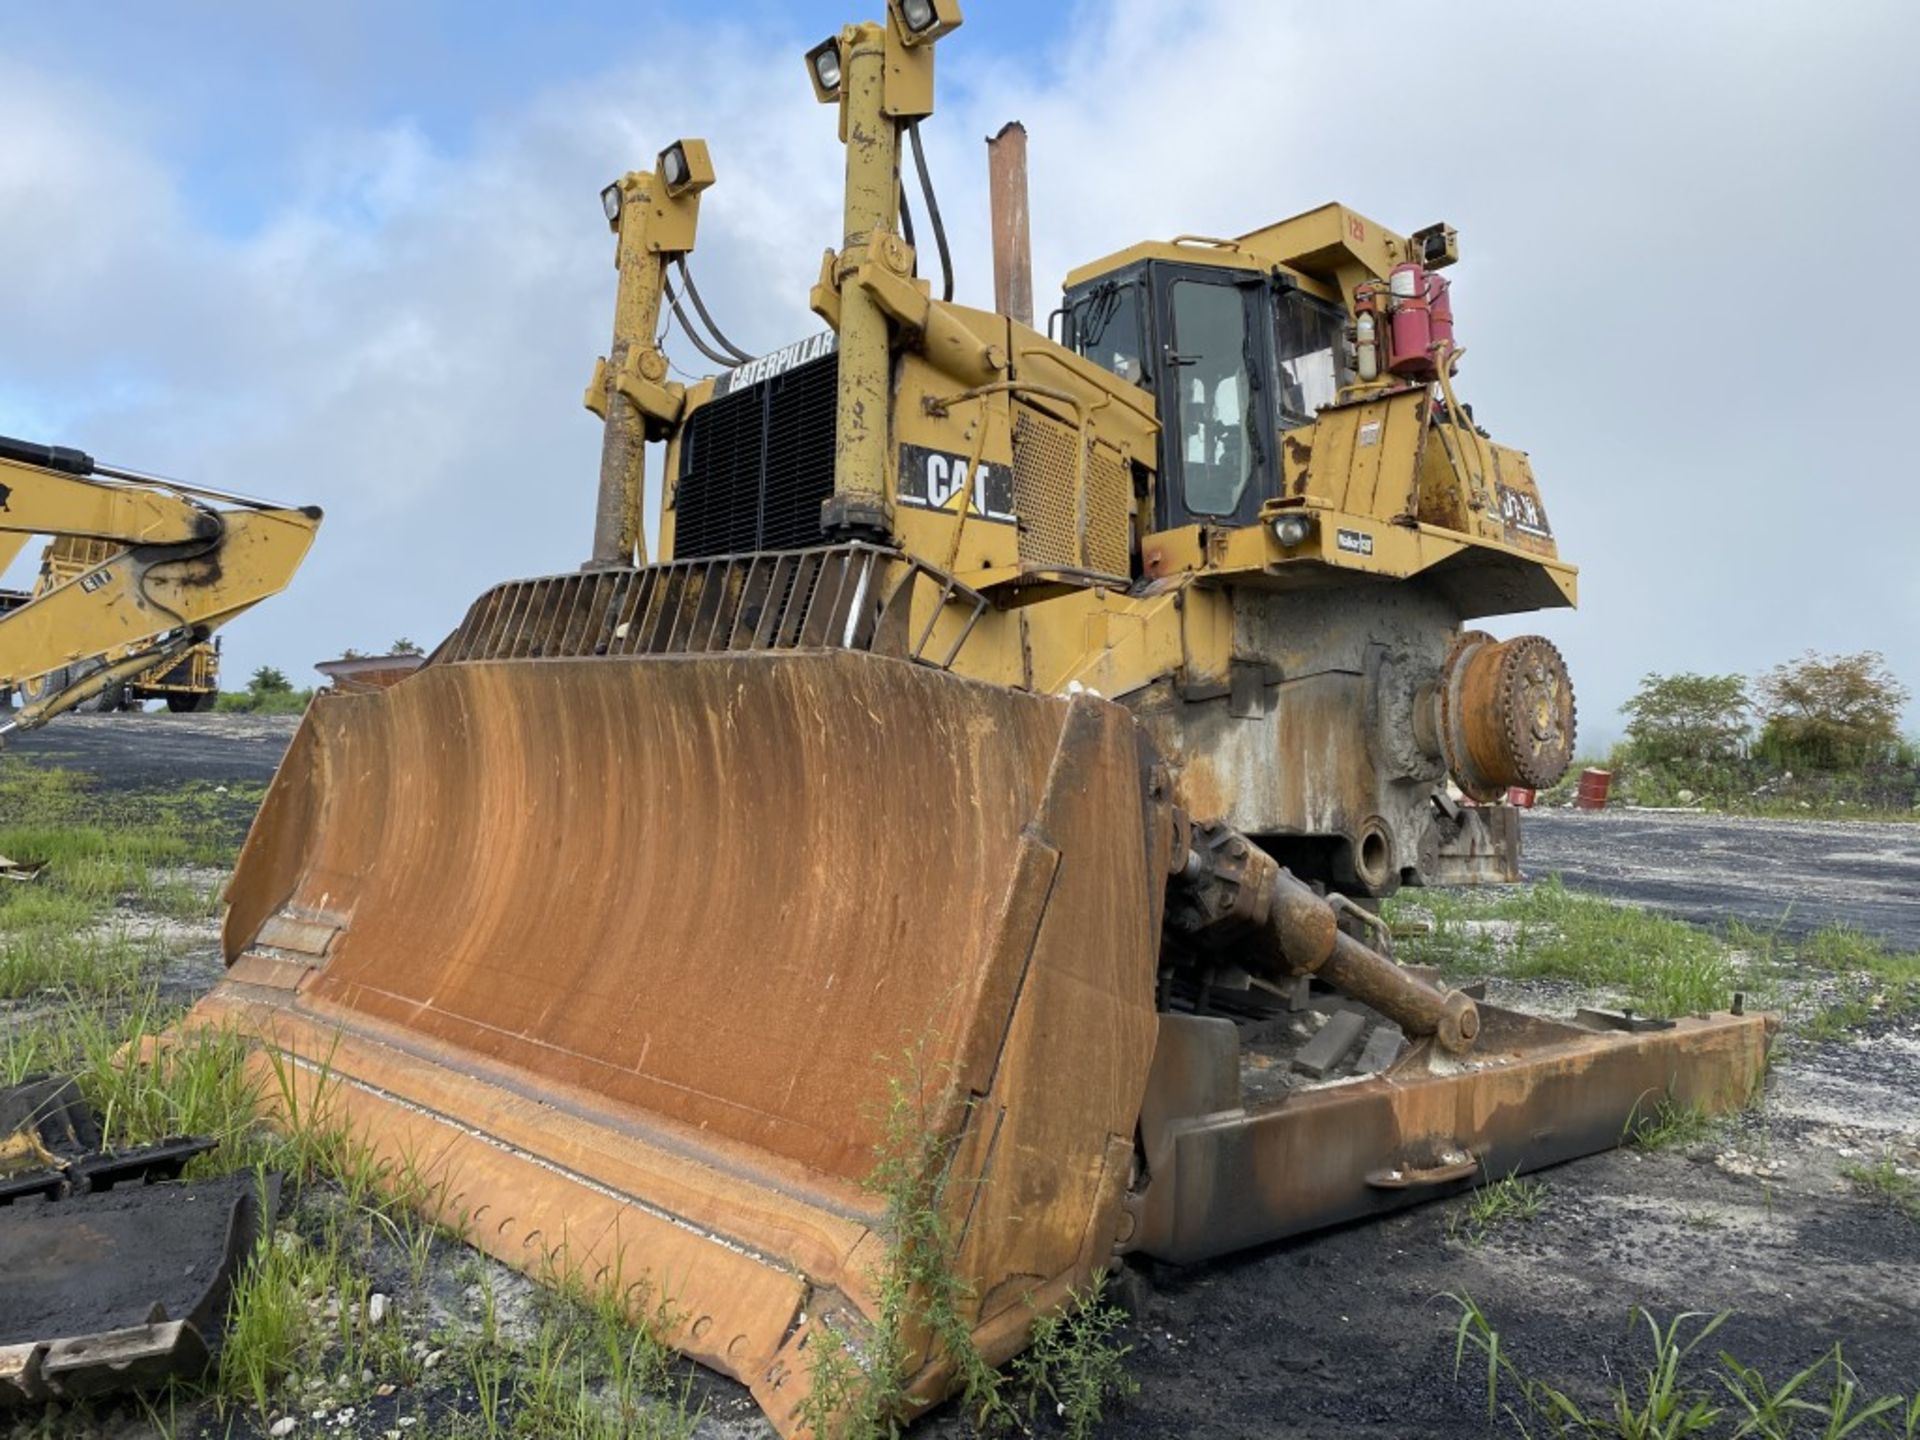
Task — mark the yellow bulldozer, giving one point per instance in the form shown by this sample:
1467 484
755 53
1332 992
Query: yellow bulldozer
1019 726
137 573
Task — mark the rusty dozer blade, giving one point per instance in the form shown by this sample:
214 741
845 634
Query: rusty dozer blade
618 961
618 958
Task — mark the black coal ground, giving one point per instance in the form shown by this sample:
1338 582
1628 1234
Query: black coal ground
1350 1333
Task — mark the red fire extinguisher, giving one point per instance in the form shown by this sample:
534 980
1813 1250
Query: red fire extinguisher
1411 333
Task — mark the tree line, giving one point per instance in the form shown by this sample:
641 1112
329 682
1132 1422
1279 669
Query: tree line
1816 731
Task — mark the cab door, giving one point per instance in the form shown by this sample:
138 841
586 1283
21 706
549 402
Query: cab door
1217 460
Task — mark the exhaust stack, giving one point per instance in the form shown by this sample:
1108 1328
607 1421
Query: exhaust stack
1012 242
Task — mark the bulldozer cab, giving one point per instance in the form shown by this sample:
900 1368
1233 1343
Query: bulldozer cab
1233 359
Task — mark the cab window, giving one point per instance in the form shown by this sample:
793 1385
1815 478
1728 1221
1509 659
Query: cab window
1310 344
1214 426
1107 330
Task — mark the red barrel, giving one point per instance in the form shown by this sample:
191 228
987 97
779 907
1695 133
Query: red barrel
1520 796
1592 794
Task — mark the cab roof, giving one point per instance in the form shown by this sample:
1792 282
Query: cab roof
1330 249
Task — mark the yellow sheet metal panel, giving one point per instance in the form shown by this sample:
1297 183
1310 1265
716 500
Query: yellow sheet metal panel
1362 457
1329 241
947 459
1223 254
1103 641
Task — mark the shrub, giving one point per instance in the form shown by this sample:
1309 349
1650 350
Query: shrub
1831 712
1689 719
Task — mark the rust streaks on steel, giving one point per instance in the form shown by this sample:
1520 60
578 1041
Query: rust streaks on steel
557 882
1012 243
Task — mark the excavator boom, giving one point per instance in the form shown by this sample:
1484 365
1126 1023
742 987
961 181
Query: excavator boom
179 563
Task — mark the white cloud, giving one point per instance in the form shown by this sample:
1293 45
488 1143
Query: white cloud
1671 219
406 338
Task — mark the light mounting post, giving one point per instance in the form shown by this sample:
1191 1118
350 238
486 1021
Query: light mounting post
884 75
653 215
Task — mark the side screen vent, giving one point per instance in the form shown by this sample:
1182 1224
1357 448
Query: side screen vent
756 465
1044 496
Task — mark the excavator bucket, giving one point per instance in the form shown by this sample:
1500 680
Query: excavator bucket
629 964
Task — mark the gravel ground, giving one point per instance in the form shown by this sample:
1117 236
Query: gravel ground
1349 1333
1799 874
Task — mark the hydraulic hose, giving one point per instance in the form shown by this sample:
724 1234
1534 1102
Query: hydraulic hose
933 212
725 361
740 356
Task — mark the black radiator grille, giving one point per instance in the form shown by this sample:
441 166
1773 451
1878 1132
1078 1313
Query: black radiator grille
756 465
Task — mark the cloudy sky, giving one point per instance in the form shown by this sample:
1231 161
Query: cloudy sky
352 255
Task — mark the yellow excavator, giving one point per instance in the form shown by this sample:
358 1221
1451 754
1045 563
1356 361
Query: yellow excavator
137 574
189 683
1013 730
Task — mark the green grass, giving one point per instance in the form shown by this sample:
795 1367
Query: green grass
1665 1125
1885 791
59 965
271 702
1513 1200
195 1086
1886 1182
65 930
1076 1364
1647 962
1678 1392
1651 964
301 1332
61 817
1877 983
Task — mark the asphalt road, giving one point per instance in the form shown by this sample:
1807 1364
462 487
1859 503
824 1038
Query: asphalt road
1799 875
142 751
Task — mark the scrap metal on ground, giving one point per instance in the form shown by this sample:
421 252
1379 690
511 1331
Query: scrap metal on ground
1021 730
116 1277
